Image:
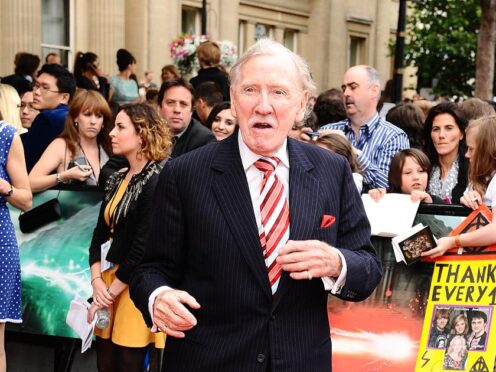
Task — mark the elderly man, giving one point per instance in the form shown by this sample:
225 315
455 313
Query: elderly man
375 140
251 233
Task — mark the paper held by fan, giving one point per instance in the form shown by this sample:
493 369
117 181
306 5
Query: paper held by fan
390 216
77 320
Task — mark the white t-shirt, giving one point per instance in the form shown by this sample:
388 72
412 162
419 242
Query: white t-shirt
490 195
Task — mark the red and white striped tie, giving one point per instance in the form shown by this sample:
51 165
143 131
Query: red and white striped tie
274 232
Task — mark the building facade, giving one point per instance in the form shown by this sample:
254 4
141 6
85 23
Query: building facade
331 35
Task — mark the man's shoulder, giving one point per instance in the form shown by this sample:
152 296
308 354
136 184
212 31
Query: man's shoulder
337 125
55 115
197 129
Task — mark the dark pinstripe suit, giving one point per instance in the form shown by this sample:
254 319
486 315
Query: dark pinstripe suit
204 240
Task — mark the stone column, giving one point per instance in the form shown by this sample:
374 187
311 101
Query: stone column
106 31
163 26
250 34
385 18
20 31
279 35
228 18
137 32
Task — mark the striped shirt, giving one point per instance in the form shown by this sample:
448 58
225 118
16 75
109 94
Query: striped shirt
378 141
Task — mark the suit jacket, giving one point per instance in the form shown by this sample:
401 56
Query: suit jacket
204 240
196 135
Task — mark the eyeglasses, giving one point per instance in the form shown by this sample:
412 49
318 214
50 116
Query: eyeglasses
43 89
23 106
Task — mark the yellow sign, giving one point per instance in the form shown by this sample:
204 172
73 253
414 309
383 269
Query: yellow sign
459 333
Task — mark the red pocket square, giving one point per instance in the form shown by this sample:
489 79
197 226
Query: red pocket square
327 220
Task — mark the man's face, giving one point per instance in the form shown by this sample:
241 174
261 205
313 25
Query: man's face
45 93
54 58
28 112
360 99
441 323
176 108
202 110
267 100
478 325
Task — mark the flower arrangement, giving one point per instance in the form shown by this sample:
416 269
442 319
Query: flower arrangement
228 53
183 52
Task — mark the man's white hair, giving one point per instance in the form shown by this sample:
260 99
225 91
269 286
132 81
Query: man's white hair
374 78
270 47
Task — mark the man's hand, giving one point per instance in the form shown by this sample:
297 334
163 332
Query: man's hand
170 314
307 259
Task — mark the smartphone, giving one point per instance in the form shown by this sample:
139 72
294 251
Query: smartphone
81 167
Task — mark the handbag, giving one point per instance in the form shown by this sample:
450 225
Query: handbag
40 216
43 214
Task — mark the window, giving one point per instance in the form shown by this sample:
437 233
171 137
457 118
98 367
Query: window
190 21
356 51
289 40
261 31
55 29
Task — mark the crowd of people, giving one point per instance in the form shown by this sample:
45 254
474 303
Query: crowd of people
162 256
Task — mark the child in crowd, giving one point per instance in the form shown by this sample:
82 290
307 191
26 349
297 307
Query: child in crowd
408 174
340 145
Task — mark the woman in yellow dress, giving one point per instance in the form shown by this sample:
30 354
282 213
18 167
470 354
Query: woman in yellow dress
118 243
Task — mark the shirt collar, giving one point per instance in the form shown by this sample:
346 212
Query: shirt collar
369 125
248 157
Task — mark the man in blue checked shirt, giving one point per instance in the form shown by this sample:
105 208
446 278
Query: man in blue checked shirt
375 139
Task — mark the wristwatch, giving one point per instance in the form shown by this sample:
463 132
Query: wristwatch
58 179
9 192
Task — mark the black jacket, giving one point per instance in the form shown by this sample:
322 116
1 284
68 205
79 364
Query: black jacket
85 83
131 230
215 75
196 135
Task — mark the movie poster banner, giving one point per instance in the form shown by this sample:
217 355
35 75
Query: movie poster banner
459 333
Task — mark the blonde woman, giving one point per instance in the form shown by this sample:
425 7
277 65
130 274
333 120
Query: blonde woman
10 105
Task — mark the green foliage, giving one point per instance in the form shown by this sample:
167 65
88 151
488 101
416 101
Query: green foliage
442 43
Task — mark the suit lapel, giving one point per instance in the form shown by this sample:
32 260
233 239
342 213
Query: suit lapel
303 203
231 190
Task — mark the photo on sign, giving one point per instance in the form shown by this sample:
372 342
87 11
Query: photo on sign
413 244
470 323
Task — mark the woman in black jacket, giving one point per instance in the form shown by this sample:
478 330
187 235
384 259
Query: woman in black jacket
118 243
444 136
87 72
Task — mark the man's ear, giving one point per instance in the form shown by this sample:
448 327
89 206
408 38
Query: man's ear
300 114
375 90
65 97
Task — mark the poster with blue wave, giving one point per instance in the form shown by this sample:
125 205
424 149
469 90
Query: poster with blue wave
54 262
